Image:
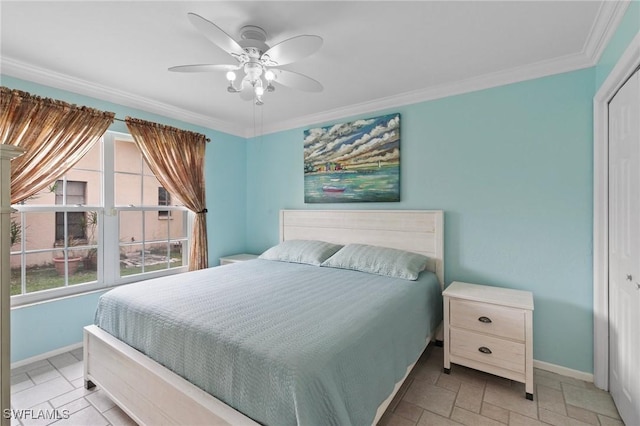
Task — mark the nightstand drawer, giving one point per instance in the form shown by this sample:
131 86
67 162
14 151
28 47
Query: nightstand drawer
489 350
487 318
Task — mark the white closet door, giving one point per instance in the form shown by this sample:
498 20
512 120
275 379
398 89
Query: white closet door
624 249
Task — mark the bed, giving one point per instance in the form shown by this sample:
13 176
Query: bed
272 359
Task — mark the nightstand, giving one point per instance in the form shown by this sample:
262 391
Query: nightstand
489 329
237 258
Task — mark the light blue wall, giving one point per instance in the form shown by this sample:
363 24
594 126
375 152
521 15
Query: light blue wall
48 326
512 169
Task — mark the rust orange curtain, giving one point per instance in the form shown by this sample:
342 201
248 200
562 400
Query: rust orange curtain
176 157
55 135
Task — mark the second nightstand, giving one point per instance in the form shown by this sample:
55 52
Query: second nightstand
237 258
490 329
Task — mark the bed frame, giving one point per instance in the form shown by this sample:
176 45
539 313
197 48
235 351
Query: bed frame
151 394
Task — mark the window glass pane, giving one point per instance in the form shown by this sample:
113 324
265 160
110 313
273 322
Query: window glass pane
75 226
47 196
69 192
82 187
90 252
157 256
155 228
128 190
130 227
16 274
93 187
15 231
91 227
164 199
165 228
92 160
150 191
70 267
42 276
131 259
39 233
84 272
127 157
177 228
176 253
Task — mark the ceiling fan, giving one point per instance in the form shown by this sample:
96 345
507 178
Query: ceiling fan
256 59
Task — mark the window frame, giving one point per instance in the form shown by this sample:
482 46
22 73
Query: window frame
107 234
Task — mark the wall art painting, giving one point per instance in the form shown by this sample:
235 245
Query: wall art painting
352 162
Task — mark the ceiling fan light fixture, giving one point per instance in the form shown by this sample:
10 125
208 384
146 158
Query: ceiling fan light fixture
269 75
231 78
253 56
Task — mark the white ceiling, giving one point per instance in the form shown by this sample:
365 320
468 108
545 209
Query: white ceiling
375 55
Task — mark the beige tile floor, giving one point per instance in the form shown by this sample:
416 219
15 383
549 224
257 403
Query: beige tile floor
469 397
428 397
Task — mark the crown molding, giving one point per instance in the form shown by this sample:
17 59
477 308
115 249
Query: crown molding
21 70
604 26
514 75
607 20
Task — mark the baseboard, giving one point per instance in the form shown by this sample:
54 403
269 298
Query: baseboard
45 355
558 369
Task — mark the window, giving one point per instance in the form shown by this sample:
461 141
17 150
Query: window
164 199
145 243
97 227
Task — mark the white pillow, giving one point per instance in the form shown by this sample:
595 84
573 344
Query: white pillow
311 252
378 260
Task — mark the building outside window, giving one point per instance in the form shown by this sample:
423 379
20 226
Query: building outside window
164 199
72 193
102 224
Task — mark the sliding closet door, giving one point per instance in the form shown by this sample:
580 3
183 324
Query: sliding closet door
624 249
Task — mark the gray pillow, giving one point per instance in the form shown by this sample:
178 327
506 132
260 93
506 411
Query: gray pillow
311 252
378 260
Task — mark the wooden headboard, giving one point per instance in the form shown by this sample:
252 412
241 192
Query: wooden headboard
419 231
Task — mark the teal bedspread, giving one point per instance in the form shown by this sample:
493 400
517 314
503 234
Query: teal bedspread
283 343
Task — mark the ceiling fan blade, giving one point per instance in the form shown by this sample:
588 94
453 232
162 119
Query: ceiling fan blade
291 50
216 35
296 81
204 68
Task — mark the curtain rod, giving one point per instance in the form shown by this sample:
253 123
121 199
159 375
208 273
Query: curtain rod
124 121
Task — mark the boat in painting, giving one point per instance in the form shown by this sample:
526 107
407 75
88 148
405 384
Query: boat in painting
331 188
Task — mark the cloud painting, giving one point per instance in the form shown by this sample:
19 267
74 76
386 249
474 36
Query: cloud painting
357 161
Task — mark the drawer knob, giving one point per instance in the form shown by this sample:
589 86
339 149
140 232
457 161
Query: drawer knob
484 350
485 320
